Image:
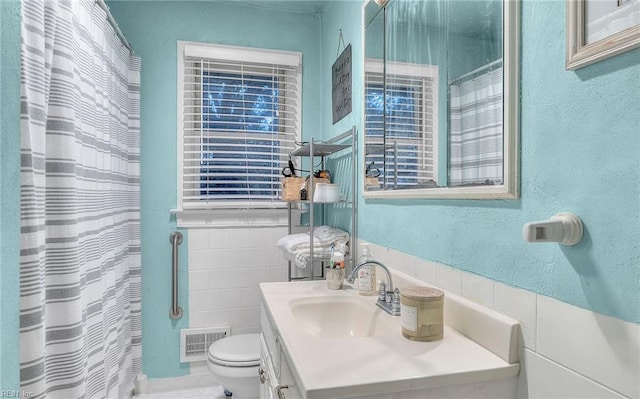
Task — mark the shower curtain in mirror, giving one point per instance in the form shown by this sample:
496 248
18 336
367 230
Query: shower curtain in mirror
475 139
80 329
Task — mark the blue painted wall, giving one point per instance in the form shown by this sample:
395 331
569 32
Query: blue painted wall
580 147
153 29
10 193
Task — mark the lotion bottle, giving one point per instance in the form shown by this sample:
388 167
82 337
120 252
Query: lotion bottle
366 274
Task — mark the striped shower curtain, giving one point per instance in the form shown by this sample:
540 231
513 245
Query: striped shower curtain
80 329
475 135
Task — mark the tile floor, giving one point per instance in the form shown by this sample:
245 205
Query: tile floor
215 392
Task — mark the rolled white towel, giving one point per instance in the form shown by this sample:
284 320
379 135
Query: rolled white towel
292 241
325 235
322 236
298 245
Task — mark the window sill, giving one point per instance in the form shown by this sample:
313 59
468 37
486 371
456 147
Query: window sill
231 217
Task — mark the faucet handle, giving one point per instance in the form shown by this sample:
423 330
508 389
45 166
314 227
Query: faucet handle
382 292
395 302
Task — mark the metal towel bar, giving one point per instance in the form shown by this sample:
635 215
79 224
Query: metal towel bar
175 239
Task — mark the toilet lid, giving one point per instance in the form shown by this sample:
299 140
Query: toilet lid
237 350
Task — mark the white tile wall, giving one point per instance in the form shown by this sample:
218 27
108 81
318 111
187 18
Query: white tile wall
599 347
225 267
543 378
449 278
425 271
521 305
569 352
478 289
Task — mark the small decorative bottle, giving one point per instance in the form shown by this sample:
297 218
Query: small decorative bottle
366 274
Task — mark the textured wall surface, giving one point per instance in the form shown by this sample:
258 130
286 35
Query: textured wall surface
153 29
345 16
579 153
10 193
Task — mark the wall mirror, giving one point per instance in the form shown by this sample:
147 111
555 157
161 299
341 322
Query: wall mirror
441 99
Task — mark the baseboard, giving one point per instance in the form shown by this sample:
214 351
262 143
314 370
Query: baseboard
144 385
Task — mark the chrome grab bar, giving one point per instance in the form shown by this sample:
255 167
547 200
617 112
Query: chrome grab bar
175 239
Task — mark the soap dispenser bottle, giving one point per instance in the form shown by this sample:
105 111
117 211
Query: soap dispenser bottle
366 274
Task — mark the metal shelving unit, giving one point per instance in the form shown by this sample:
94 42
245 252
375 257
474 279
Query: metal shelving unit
323 149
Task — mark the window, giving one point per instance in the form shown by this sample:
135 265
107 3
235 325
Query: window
240 119
407 157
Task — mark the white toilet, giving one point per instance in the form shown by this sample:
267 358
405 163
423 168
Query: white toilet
234 363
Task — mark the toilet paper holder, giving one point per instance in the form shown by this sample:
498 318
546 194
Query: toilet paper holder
565 228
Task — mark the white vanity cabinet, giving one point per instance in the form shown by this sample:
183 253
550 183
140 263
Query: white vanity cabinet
319 357
266 372
288 386
276 378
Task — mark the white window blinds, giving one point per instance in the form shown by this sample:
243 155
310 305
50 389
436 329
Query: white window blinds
407 155
240 112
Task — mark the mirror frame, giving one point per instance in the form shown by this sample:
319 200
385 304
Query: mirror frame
511 122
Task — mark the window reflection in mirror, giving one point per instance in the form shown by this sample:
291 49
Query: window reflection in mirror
434 94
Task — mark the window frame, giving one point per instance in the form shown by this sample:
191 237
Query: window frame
227 210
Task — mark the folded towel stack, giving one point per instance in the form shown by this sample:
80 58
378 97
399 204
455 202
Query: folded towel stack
298 245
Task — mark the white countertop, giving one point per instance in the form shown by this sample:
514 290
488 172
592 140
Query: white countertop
328 367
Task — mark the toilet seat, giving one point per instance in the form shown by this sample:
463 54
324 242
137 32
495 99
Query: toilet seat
236 351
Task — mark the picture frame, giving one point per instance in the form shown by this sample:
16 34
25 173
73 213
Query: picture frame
582 51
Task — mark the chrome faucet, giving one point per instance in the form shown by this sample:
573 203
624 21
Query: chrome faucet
389 301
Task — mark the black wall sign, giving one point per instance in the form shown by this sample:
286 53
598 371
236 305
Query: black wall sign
341 85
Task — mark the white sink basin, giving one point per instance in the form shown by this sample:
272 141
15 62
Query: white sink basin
342 317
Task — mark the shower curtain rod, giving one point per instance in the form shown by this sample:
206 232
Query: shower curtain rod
475 71
114 24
